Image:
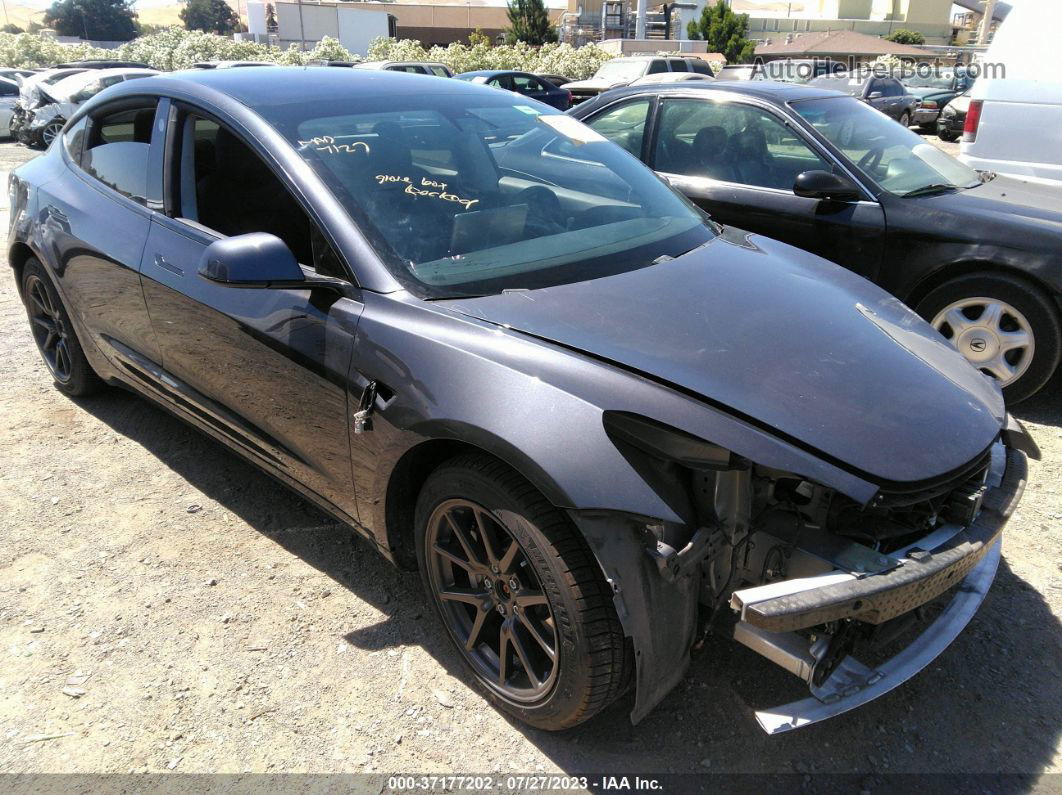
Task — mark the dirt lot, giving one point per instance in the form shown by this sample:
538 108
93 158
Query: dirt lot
163 606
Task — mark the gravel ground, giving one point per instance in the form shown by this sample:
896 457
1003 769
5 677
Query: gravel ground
164 606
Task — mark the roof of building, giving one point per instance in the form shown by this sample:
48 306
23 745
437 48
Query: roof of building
833 42
999 13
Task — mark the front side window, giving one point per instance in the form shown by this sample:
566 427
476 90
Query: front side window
893 156
624 125
117 150
731 142
474 193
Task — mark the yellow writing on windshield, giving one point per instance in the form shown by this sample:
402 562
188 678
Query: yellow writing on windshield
428 188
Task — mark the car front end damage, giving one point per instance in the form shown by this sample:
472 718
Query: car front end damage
851 598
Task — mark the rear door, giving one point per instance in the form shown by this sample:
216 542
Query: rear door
266 367
94 222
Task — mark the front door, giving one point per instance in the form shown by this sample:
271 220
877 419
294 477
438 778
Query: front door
738 161
267 367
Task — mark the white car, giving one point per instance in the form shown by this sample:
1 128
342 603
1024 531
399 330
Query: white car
8 99
1014 122
45 118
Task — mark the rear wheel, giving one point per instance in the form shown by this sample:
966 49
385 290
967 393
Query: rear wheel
54 334
905 119
947 136
1004 326
519 593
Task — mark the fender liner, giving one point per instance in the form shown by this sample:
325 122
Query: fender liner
658 615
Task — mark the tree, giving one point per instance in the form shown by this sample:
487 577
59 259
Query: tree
210 16
272 26
904 36
98 20
724 31
529 23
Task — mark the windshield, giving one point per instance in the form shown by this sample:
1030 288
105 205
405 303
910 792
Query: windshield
893 156
616 71
930 81
475 192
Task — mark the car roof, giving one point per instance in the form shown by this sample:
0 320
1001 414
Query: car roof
73 82
255 86
778 93
492 72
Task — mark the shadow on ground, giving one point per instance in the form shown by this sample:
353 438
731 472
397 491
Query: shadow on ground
989 703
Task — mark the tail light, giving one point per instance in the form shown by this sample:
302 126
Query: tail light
973 121
928 103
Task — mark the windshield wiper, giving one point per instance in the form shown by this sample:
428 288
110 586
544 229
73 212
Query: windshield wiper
925 190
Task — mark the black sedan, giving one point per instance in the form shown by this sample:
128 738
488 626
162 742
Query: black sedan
886 94
594 421
975 254
528 85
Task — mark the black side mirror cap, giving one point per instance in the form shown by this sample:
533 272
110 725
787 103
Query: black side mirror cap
827 186
256 259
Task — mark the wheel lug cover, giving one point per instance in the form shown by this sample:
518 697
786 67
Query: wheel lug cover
501 609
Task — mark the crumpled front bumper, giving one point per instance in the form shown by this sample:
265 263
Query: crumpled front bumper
931 567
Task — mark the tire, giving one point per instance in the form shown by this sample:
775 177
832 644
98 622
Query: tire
905 119
1024 309
49 132
565 597
54 334
948 137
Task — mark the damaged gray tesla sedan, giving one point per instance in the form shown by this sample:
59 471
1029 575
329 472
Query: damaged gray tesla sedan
510 356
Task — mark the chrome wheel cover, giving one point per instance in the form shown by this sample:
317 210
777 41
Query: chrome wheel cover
994 337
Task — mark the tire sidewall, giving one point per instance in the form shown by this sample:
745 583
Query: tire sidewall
1036 308
572 681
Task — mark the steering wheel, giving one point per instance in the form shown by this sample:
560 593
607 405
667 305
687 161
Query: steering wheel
872 159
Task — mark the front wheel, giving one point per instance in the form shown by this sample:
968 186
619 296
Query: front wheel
947 137
50 131
905 119
1004 326
519 593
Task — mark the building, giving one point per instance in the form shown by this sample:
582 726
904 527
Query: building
838 45
355 24
770 18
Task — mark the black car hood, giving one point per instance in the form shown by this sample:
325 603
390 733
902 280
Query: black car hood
784 339
1012 197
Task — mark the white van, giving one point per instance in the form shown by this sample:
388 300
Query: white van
1014 124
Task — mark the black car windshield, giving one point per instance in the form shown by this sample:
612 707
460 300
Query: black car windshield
471 193
890 154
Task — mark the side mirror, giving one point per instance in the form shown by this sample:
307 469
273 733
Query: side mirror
875 95
252 260
827 186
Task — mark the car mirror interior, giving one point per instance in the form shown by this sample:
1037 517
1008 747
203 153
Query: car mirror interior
825 185
875 95
256 259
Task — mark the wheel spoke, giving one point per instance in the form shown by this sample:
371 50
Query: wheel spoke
458 533
455 559
506 562
531 598
1000 368
477 627
503 655
1009 340
957 320
466 595
35 297
533 631
991 316
62 357
484 533
525 660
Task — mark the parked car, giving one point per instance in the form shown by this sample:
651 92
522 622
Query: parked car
229 64
15 75
934 91
975 254
557 80
953 118
8 100
102 63
1015 116
590 417
30 95
798 70
670 77
623 71
522 83
737 72
886 94
58 102
430 68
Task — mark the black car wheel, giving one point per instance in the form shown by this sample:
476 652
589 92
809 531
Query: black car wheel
1004 326
519 593
948 137
54 334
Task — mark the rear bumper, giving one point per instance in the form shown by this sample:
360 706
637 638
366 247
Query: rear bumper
951 124
970 555
925 115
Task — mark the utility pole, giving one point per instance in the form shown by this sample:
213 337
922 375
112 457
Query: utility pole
639 24
986 22
302 30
